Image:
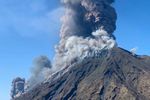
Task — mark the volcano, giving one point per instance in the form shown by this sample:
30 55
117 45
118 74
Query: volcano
117 76
88 64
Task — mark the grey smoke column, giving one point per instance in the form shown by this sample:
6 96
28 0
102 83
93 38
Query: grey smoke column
40 70
18 85
40 63
86 25
85 16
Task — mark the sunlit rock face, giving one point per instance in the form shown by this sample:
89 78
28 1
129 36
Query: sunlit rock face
18 85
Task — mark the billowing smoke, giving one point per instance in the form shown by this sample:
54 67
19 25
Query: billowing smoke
17 87
87 25
40 71
82 17
133 50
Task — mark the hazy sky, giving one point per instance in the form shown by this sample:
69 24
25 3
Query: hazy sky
29 28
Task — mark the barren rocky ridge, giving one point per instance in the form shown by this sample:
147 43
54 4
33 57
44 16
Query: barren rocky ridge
120 76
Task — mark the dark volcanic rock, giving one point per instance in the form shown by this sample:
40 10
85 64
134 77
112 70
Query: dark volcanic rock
121 76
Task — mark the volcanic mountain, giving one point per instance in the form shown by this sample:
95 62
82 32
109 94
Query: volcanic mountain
88 64
115 74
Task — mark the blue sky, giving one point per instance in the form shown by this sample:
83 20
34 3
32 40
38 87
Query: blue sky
29 28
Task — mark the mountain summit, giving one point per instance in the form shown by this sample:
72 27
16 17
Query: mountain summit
115 75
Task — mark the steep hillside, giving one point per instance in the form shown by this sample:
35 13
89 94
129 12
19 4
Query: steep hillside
119 76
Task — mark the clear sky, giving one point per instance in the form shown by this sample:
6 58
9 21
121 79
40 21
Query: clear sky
29 28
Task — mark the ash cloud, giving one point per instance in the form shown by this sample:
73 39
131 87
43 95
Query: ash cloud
82 17
40 71
87 25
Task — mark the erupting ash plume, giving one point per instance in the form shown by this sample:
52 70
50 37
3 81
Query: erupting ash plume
40 71
87 30
87 25
82 17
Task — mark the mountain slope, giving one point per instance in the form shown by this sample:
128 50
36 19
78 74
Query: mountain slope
119 76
